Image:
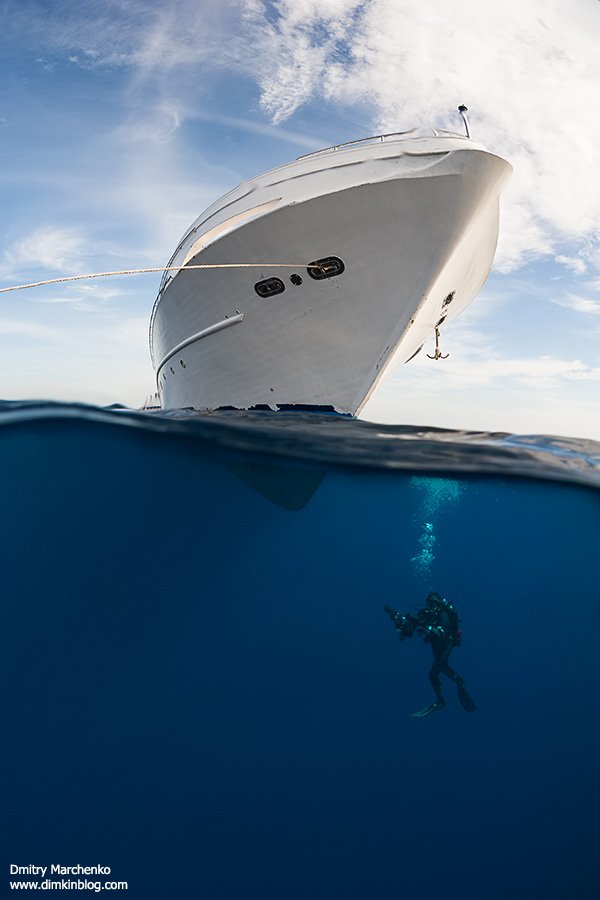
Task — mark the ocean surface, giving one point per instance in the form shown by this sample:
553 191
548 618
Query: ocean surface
203 693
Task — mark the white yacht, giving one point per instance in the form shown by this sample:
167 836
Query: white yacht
359 253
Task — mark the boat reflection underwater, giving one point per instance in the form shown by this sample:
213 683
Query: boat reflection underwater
201 688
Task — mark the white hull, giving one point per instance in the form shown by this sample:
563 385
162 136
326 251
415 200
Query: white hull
415 223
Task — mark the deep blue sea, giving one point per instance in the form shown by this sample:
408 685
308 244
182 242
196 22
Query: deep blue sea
202 692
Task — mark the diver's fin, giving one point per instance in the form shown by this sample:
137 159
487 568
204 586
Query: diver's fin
427 710
466 701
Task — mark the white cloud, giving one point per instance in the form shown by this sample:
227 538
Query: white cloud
30 330
586 305
53 248
542 395
157 125
303 45
529 72
471 367
482 387
574 263
585 375
87 297
151 38
252 126
77 359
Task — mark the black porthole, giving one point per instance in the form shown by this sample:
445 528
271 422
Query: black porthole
269 287
296 279
448 299
182 364
328 267
172 370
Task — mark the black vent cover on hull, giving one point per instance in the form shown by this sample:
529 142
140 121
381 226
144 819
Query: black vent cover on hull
269 287
328 267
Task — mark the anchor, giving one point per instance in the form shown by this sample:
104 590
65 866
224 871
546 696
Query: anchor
437 354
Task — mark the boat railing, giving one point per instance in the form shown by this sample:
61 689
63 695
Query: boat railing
166 278
151 330
380 138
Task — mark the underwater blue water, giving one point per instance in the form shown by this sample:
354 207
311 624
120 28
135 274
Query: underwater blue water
203 692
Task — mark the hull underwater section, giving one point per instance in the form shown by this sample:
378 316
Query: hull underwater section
405 241
205 695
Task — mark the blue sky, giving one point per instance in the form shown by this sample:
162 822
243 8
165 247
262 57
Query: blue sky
121 121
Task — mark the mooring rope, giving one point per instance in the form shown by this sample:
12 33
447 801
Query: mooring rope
266 265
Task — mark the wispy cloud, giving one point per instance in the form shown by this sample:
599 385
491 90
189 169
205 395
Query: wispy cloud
575 263
49 248
474 369
587 374
30 330
586 305
305 42
89 297
151 38
252 126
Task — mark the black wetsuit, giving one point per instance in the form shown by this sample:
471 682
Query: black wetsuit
438 625
442 645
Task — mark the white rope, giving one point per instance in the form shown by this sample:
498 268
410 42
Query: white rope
34 284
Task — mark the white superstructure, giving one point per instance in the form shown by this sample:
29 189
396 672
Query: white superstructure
401 231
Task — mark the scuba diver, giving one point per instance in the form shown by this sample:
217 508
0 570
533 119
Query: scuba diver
438 624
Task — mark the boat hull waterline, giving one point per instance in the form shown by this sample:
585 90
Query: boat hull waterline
408 231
